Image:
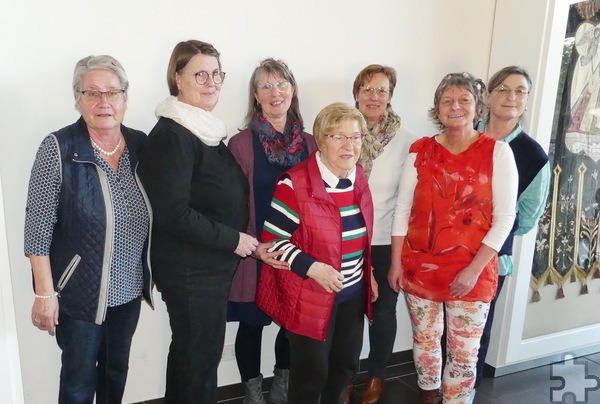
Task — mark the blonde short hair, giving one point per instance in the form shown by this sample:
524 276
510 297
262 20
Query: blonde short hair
331 117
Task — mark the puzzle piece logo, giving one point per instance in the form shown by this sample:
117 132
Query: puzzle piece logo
576 383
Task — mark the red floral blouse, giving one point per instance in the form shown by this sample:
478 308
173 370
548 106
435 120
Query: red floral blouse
450 216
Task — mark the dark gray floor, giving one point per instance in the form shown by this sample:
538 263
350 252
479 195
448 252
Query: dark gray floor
528 387
534 386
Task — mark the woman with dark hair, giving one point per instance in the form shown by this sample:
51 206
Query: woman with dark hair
455 208
199 196
272 142
86 235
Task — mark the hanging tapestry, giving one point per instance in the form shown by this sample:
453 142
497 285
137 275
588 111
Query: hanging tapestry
568 237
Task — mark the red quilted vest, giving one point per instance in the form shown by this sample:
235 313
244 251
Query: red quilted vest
301 305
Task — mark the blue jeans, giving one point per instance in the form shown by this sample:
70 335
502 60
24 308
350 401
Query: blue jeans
95 358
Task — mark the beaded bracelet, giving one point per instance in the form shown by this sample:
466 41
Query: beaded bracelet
46 296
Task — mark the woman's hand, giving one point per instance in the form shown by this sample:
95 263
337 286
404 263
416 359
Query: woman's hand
262 253
326 276
396 272
395 276
246 245
44 314
374 287
464 281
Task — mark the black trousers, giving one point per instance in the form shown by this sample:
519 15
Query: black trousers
382 331
487 334
321 370
196 302
248 344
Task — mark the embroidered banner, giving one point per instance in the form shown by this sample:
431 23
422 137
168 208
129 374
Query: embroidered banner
568 238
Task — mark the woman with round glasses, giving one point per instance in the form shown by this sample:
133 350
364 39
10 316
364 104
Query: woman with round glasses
87 225
384 150
199 197
455 208
272 142
321 215
507 95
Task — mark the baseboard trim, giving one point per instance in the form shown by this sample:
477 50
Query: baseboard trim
401 364
490 371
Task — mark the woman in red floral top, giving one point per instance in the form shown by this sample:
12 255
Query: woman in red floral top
456 205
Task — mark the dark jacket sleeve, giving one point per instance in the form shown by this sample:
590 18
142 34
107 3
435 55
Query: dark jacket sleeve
166 169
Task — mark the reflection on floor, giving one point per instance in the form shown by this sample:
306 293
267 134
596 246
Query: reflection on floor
540 385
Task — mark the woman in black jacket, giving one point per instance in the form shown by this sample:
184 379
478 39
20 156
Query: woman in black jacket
199 197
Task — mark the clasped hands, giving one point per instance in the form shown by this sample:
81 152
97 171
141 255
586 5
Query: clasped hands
250 246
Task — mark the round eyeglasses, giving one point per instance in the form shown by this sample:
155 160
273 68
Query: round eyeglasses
280 86
96 96
339 140
202 76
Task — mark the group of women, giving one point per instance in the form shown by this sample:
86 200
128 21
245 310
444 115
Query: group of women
312 232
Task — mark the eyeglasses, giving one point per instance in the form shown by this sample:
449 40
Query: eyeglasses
342 139
505 91
382 92
202 76
281 86
95 95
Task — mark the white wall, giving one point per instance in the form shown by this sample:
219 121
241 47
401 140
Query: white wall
325 42
10 367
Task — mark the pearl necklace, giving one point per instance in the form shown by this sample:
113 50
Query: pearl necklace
107 153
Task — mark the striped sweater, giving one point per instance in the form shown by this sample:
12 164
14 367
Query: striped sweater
283 220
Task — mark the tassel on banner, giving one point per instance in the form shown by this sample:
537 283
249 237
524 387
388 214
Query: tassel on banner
597 273
560 294
573 277
536 297
584 290
549 281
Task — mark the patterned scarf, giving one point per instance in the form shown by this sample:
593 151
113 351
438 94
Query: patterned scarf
284 148
378 137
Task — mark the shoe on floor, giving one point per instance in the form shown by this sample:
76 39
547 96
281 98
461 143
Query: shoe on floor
372 392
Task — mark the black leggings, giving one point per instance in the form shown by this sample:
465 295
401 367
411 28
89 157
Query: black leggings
248 344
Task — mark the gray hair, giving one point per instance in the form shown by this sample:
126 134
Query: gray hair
461 80
101 62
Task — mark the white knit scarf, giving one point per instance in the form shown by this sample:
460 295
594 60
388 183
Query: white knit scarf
208 128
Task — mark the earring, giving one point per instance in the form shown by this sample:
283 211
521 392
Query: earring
526 108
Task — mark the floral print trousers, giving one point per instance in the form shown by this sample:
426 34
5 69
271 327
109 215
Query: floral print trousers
464 323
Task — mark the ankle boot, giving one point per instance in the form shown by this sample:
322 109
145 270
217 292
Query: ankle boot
372 391
279 387
253 391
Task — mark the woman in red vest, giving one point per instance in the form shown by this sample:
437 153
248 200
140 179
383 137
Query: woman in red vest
455 207
322 217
